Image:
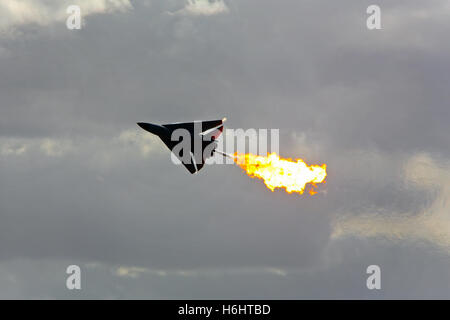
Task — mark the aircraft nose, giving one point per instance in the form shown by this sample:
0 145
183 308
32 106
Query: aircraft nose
153 128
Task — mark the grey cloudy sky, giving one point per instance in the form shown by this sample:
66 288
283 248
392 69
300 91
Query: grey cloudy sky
80 183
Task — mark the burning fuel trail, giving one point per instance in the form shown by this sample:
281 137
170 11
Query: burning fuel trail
282 173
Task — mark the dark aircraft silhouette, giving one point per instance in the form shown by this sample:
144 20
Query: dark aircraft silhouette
202 133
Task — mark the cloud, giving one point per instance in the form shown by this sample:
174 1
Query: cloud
52 147
132 272
139 141
144 141
78 185
203 8
12 147
16 13
431 225
135 272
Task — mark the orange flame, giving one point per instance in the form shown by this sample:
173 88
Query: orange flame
282 173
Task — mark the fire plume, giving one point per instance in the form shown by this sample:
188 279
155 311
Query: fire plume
282 173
